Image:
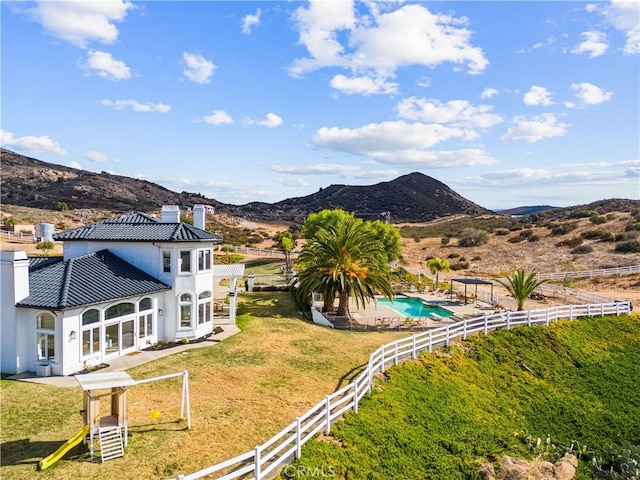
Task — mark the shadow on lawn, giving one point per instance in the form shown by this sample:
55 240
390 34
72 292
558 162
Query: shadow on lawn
25 452
349 376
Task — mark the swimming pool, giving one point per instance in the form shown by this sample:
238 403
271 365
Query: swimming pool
414 307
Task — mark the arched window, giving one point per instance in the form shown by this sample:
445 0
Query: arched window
46 326
185 310
144 304
91 338
119 310
145 318
204 307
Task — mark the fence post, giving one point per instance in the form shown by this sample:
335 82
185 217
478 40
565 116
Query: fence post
464 330
395 352
570 312
447 340
355 395
382 360
256 459
298 438
508 319
529 318
486 322
430 342
414 353
547 317
327 406
370 375
602 309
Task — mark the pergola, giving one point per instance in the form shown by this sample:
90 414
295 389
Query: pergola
471 281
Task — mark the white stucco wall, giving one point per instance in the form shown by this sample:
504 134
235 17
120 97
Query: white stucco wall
14 282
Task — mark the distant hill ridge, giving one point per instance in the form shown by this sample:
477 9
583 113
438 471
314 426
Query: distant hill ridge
414 197
411 198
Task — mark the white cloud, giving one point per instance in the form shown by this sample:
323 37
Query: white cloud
250 21
218 117
376 44
458 113
590 94
489 93
137 106
106 66
363 85
401 143
334 169
74 164
623 15
538 128
537 96
594 44
198 69
79 21
99 157
271 121
30 143
293 182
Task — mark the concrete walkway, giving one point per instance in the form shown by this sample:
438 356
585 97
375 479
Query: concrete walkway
130 360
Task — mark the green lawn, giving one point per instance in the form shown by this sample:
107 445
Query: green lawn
243 391
439 417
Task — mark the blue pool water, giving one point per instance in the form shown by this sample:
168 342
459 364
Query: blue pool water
413 307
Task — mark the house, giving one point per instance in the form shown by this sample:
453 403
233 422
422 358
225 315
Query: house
122 285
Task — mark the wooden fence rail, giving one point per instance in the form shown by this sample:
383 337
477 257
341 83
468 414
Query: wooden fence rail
265 460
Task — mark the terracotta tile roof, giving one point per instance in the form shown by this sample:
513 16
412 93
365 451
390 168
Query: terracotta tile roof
86 280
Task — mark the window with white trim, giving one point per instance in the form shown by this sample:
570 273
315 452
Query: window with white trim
204 260
46 327
145 318
185 310
166 261
204 307
185 261
91 337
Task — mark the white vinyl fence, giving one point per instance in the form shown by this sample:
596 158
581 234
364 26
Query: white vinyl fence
603 272
265 460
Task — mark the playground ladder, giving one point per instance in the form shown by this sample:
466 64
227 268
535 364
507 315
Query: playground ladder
110 442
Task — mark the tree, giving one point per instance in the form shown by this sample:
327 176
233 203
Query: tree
520 285
9 221
388 235
437 265
472 237
45 246
344 259
322 219
285 242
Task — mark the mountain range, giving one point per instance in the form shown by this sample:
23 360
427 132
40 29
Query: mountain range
411 198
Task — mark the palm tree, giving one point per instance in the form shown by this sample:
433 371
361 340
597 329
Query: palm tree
344 260
520 285
437 265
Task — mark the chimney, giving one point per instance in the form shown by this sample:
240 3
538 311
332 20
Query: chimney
198 216
14 275
170 214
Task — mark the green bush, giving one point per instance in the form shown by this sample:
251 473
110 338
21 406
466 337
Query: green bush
472 237
582 249
570 242
563 228
631 246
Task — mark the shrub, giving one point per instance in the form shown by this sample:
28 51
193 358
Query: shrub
597 219
631 246
453 255
472 237
516 239
526 233
582 249
570 242
445 241
534 238
63 207
477 258
586 213
501 232
563 228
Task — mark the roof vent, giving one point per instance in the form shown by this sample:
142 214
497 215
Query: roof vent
170 214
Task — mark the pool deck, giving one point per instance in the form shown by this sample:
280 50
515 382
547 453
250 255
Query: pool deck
373 315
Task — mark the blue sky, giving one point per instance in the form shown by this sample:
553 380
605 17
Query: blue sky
508 103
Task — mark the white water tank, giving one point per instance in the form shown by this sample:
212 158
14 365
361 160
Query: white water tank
45 231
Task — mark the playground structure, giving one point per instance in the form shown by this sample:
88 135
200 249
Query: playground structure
109 428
